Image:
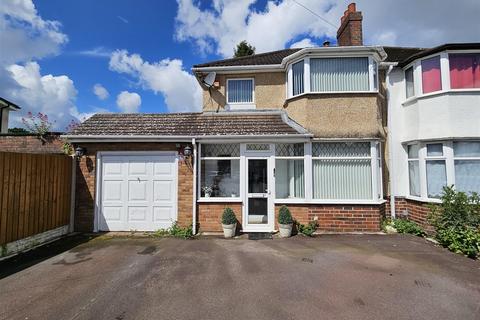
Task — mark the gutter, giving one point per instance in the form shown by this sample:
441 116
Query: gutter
390 148
194 188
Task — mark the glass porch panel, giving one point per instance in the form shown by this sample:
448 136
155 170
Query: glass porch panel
258 211
257 176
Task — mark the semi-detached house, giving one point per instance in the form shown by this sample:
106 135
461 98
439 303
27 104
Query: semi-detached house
340 134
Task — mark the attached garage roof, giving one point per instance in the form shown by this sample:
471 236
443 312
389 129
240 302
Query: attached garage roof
205 124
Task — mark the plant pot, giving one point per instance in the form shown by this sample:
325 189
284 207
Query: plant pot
229 230
285 230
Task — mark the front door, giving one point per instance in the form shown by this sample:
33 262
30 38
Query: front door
258 214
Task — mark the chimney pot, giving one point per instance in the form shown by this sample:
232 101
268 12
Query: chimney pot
352 7
326 43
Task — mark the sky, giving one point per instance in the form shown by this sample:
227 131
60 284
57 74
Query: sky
71 59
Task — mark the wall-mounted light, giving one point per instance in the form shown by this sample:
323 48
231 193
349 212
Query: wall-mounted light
80 152
187 151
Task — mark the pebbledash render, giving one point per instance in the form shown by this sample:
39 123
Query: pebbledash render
308 128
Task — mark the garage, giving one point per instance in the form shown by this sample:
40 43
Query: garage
137 191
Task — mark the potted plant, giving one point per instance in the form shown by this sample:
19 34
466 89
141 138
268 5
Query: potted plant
285 222
207 191
229 222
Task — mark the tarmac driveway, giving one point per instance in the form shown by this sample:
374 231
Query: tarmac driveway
328 277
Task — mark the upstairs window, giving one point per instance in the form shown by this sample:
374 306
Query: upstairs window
240 91
431 75
409 83
464 70
297 75
339 74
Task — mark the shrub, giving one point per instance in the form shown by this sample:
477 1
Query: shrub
407 226
284 216
308 229
228 216
457 222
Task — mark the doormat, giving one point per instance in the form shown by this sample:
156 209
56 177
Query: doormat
259 235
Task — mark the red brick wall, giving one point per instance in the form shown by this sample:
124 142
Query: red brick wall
350 31
85 182
209 215
338 218
31 144
413 210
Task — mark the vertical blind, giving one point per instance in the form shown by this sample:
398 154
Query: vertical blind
240 90
297 75
339 74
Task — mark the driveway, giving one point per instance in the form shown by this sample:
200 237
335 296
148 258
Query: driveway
331 276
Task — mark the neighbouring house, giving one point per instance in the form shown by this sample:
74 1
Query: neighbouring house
434 126
307 128
5 108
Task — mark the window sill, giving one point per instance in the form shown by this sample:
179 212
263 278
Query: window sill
414 99
330 93
332 201
420 199
213 199
240 106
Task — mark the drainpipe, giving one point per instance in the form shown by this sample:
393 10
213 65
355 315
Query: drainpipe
390 150
194 202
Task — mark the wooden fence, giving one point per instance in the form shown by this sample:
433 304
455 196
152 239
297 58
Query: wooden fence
35 193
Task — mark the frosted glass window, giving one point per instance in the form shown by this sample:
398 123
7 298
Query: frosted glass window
240 90
409 83
339 74
435 150
289 179
414 178
297 74
436 177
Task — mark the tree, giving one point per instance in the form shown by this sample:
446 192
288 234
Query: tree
17 130
244 49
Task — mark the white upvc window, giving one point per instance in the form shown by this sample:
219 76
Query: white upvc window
219 171
332 74
240 93
434 165
290 171
346 171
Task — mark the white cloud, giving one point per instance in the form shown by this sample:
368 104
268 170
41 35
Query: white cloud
97 52
52 95
180 89
129 102
304 43
221 26
24 35
100 91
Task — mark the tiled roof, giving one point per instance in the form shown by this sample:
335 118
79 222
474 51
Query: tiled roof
397 54
267 58
189 124
443 47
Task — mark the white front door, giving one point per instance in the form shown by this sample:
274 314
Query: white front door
259 205
137 192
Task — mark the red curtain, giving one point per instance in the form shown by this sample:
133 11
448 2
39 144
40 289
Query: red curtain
431 75
464 70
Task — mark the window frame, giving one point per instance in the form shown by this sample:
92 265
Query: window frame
199 175
240 105
373 75
305 184
444 75
449 158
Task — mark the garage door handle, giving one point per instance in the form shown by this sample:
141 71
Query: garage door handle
138 179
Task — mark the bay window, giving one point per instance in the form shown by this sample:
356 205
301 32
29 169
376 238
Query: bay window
342 170
327 75
240 91
431 75
464 70
432 166
220 170
289 171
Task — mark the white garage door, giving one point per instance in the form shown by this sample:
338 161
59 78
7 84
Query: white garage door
138 192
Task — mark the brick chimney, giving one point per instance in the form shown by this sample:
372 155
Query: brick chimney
350 31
